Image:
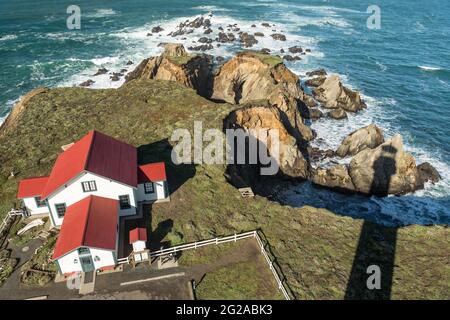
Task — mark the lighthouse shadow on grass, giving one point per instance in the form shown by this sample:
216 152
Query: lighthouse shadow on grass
371 275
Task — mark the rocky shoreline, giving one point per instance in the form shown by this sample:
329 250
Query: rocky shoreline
271 97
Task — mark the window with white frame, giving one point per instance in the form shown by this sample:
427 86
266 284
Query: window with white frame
89 186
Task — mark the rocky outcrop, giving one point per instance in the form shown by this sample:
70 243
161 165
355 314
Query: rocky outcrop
385 170
175 64
264 120
333 95
318 72
428 173
252 76
337 114
336 177
365 138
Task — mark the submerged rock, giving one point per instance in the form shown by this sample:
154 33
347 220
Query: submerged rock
368 137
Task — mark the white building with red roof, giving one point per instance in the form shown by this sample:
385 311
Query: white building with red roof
96 174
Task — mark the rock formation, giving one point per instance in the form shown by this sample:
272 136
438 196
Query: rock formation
365 138
332 94
175 64
428 173
337 114
336 178
385 170
252 76
263 120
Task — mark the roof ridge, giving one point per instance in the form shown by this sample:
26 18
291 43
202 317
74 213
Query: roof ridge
88 156
91 198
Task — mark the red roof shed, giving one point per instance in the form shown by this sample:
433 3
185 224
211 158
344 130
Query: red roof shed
138 234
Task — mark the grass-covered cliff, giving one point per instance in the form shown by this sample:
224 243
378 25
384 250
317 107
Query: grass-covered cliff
315 248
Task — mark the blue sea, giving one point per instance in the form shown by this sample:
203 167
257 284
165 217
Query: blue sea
402 70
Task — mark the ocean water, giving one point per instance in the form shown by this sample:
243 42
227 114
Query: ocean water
402 69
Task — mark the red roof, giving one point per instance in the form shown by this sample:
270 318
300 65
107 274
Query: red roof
138 234
91 222
96 153
152 172
31 187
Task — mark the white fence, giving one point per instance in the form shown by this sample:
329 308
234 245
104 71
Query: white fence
219 240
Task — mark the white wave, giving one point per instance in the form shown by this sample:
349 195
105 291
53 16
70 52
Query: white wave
100 13
428 68
211 8
8 37
382 66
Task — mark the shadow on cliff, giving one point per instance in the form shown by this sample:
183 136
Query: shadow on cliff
376 245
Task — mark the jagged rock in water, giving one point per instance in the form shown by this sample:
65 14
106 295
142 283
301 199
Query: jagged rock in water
428 173
101 71
295 49
288 57
157 29
385 170
87 83
336 178
247 40
332 94
318 72
315 82
278 36
368 137
337 114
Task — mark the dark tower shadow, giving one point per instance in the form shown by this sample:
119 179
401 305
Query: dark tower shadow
377 243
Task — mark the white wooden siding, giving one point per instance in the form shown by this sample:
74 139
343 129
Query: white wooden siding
158 194
106 188
31 205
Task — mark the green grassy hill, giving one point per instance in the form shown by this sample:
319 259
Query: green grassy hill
315 248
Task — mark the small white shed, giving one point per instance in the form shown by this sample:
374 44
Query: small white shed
138 239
